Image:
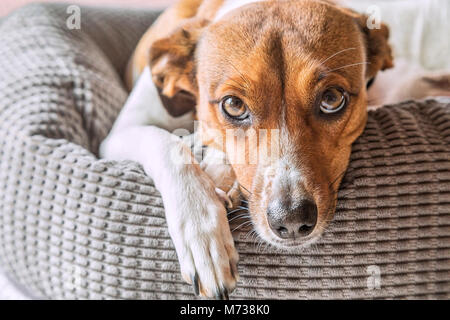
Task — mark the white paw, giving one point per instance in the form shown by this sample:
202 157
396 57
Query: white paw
223 176
199 228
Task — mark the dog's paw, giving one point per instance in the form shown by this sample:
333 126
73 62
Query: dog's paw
209 263
208 258
232 198
200 231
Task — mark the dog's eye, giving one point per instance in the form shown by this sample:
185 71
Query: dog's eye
234 107
333 100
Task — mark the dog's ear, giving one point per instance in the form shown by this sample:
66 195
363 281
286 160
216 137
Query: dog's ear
376 36
378 50
172 59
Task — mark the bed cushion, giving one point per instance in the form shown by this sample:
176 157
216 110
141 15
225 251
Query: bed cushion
74 226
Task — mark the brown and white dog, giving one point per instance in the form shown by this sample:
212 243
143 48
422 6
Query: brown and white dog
298 67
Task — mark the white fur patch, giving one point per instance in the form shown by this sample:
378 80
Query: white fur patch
286 173
144 107
230 5
195 214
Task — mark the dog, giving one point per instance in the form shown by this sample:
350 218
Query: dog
295 68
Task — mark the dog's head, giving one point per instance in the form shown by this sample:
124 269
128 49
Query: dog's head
295 71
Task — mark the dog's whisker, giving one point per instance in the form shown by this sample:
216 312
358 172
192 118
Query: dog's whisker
340 189
265 247
245 204
335 180
335 54
248 234
236 210
315 248
343 196
241 198
251 233
258 247
246 81
348 65
240 216
340 175
241 225
254 236
245 188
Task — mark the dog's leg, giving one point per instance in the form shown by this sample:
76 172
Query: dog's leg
195 215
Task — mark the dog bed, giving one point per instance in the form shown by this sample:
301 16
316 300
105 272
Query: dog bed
73 226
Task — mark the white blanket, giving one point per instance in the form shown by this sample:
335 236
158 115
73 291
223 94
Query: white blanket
419 29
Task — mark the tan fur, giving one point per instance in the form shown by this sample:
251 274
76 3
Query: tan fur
170 20
163 26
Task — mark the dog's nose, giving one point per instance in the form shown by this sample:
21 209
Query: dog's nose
293 221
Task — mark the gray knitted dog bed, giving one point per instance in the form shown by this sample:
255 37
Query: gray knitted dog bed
74 226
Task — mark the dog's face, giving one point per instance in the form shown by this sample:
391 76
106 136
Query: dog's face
298 72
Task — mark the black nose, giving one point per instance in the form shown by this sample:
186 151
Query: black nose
293 221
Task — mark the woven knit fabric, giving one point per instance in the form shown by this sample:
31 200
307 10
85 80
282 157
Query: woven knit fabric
74 226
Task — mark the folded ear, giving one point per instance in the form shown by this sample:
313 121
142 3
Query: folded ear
378 50
172 59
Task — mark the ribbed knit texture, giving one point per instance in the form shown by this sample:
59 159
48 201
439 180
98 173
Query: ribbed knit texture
74 226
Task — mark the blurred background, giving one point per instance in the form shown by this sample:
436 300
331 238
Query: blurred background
6 6
8 288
